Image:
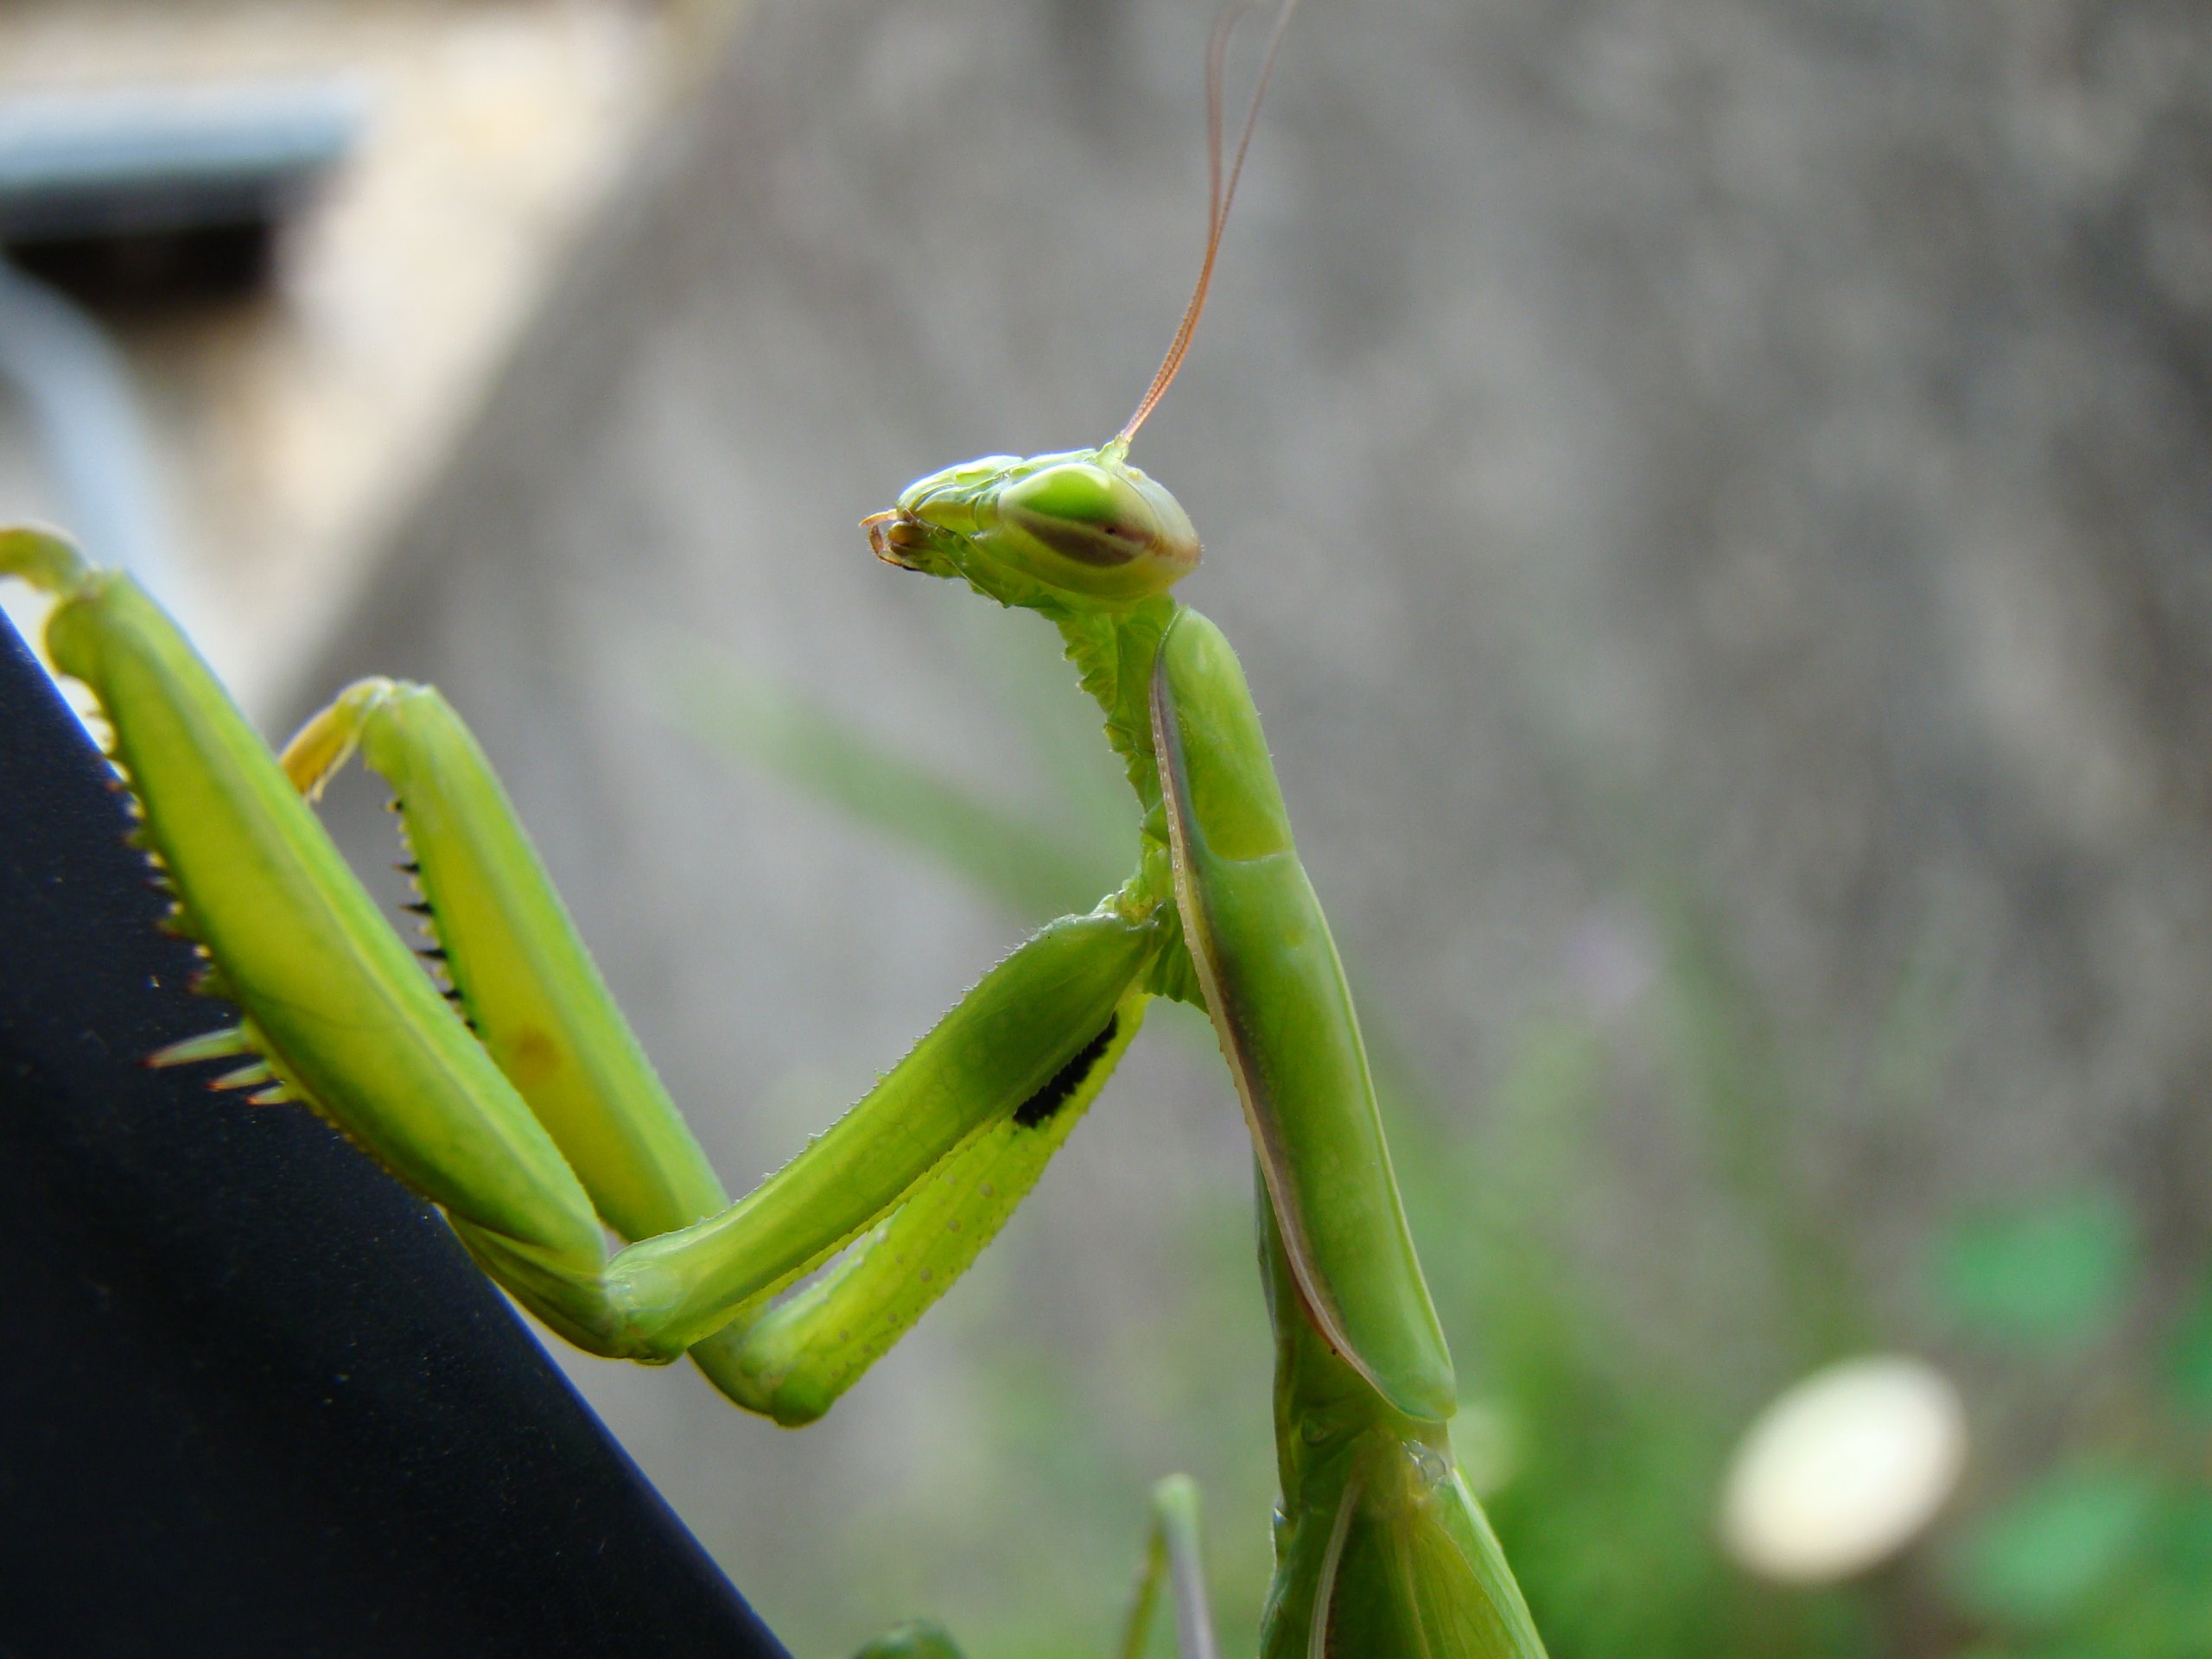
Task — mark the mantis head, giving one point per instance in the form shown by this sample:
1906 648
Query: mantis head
1083 525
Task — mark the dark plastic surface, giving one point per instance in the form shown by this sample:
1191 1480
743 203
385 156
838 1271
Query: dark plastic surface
253 1398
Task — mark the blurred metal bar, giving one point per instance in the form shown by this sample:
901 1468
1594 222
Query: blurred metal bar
84 174
166 159
77 388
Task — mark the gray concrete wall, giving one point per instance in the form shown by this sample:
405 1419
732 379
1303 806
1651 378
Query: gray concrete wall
1716 459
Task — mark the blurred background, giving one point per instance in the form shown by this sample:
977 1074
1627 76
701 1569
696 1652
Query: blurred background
1713 498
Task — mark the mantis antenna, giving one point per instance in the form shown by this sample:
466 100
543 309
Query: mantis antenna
1218 194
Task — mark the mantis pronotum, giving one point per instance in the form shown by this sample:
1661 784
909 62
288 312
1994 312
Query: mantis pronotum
516 1098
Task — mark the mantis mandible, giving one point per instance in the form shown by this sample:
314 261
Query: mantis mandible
514 1096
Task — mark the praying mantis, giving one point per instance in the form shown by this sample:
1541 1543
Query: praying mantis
509 1090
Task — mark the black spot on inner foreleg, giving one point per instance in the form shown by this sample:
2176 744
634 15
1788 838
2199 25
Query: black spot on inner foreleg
1066 1081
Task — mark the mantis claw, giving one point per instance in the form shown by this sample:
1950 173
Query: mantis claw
44 558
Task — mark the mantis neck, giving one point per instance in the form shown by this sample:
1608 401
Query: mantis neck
1113 651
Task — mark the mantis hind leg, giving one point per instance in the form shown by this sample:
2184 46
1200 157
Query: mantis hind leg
1172 1558
919 1640
1173 1554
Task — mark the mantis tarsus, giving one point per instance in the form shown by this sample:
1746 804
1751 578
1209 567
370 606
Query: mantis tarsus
515 1097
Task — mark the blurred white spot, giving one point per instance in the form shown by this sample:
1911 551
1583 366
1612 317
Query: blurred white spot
1843 1471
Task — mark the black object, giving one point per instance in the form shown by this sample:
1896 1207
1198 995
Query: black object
253 1397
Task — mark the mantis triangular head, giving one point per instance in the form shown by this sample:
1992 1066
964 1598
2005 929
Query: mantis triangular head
1082 524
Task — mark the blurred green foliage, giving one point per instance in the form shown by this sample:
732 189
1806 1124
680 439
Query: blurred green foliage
1611 1351
2107 1550
2053 1276
2047 1554
2190 1364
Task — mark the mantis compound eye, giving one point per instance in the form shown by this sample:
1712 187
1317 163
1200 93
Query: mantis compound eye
1104 530
1085 513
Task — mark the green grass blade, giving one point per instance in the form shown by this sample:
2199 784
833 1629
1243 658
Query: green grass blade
822 755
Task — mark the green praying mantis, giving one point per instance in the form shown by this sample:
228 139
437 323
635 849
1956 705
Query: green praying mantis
515 1097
